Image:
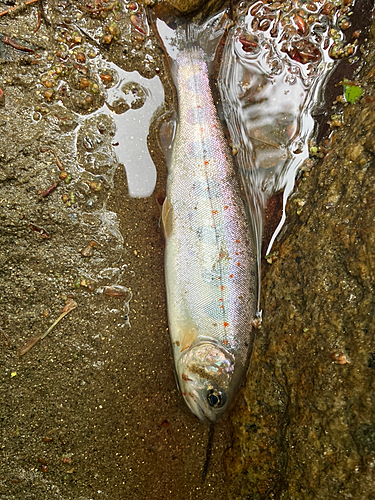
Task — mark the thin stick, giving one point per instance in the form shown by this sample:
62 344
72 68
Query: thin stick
272 144
71 304
53 325
17 7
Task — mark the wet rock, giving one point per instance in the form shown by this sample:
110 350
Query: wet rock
303 426
204 7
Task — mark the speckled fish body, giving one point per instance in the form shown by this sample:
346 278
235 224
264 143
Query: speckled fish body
209 261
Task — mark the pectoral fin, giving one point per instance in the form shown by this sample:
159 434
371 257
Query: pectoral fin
188 336
166 217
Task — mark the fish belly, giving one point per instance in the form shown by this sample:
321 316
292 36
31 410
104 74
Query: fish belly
209 261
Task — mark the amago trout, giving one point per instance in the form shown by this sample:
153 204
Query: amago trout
210 266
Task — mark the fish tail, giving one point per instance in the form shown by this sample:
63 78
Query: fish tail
177 34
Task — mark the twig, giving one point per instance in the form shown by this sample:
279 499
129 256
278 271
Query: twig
29 344
17 7
272 144
15 45
58 161
50 189
40 231
5 320
39 21
70 305
5 336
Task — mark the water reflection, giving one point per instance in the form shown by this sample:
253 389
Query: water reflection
131 103
271 77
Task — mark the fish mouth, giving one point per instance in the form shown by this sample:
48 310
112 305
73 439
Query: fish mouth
195 402
192 401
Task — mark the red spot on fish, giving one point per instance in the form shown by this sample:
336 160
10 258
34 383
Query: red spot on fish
225 342
231 275
225 208
185 377
237 253
183 393
206 162
225 325
237 241
221 307
222 287
219 277
221 300
214 212
214 126
238 263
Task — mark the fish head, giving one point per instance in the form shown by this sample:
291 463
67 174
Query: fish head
205 372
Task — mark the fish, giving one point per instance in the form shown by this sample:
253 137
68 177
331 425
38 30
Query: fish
210 264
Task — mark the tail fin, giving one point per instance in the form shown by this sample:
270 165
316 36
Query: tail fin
177 34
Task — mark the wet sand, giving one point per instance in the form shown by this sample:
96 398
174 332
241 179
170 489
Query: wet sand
92 411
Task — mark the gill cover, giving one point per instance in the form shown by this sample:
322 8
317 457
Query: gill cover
205 373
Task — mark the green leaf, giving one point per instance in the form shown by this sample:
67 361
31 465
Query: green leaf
352 92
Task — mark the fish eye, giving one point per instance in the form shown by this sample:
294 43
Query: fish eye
216 399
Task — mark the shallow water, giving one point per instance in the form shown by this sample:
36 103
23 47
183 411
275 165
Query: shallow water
273 74
131 103
95 401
